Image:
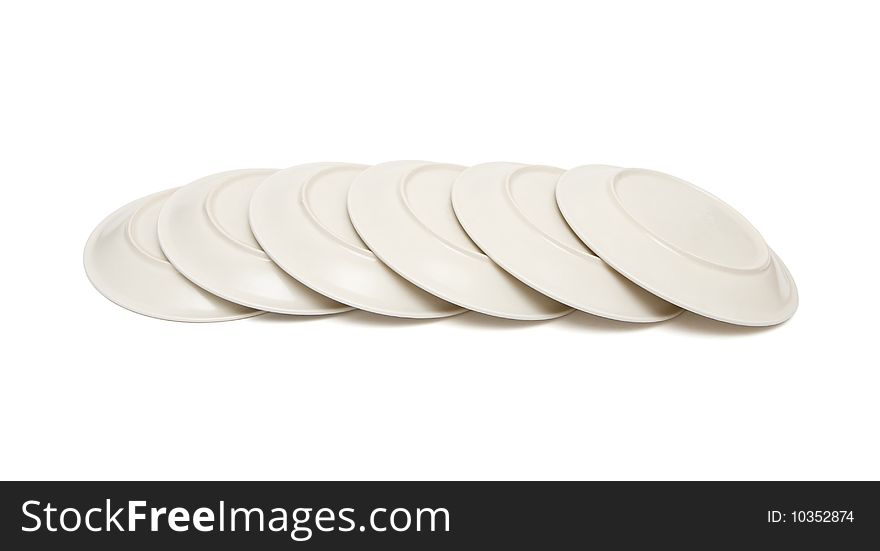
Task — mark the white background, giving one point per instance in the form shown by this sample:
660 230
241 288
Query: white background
772 106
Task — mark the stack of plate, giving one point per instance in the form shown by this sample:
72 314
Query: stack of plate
426 240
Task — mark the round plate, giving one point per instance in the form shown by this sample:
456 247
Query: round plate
299 217
510 212
204 232
403 211
679 242
124 262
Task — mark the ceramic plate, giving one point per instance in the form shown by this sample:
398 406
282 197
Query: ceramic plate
510 212
299 217
204 232
403 211
124 262
678 242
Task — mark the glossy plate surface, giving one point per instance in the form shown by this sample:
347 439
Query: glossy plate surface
510 212
299 217
204 232
678 242
124 262
403 211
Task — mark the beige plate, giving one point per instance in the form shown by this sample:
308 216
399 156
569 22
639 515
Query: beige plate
403 211
299 217
678 242
204 232
510 211
125 263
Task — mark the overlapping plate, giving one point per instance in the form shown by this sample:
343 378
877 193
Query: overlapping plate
420 239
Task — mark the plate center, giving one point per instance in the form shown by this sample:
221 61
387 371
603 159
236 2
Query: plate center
690 220
142 227
326 197
533 190
227 207
428 193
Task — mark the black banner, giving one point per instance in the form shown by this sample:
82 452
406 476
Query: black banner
438 515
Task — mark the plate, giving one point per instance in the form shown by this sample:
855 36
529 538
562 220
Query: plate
124 262
300 219
204 232
403 212
678 242
510 212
